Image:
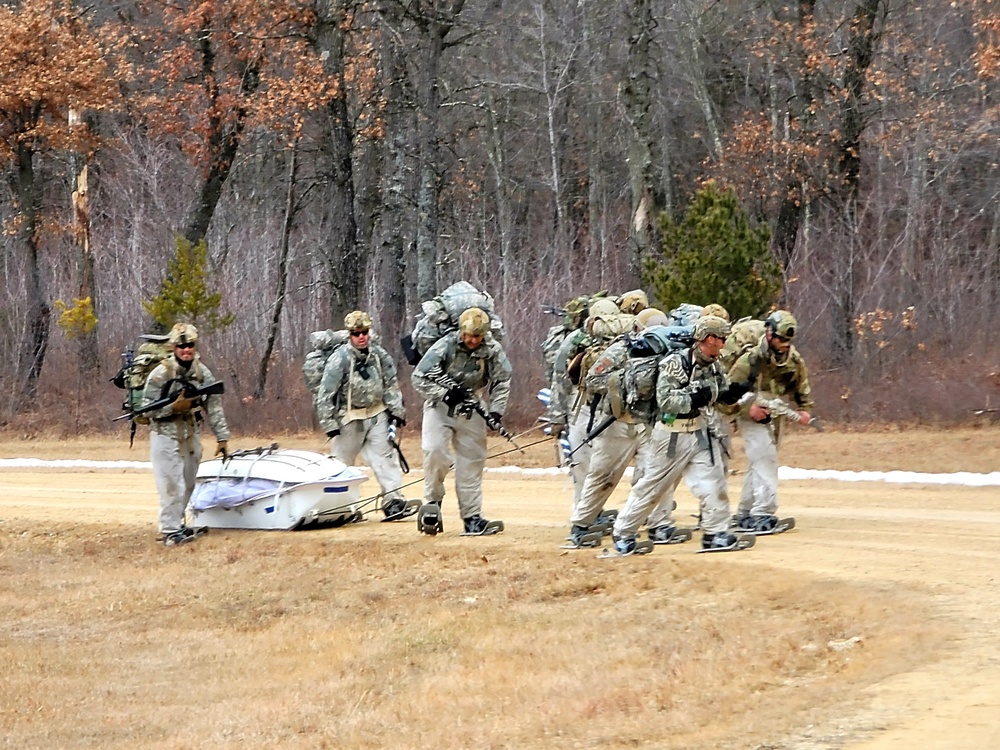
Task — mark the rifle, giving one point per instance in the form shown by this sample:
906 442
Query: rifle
189 390
440 377
553 310
779 407
610 420
394 442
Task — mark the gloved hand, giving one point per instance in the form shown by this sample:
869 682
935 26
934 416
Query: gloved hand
556 429
182 404
701 397
332 433
735 392
457 395
222 449
397 421
496 417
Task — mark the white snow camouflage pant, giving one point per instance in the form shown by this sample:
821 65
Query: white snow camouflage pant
175 466
661 472
467 435
759 496
369 438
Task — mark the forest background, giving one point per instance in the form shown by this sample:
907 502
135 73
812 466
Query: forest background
336 155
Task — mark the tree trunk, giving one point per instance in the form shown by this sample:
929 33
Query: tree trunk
344 259
32 350
223 141
89 358
279 297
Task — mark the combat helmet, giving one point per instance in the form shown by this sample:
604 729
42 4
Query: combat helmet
711 325
781 323
474 322
357 320
650 317
717 310
182 333
634 302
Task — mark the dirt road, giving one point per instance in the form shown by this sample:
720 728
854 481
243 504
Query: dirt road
940 544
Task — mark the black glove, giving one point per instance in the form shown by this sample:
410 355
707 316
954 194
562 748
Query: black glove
496 417
397 421
332 433
735 392
701 397
222 449
457 396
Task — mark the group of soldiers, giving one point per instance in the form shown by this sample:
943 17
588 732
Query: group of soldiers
632 384
625 388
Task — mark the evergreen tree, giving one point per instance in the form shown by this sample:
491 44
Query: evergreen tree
714 255
184 295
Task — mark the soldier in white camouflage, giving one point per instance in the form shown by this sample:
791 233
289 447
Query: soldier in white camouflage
174 445
462 368
688 384
776 370
357 402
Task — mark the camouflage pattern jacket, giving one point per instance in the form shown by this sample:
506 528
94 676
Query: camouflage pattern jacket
611 362
681 373
485 371
567 396
785 377
357 384
167 379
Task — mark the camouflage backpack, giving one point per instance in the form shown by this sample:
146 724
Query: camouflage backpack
135 370
440 317
637 381
745 334
323 344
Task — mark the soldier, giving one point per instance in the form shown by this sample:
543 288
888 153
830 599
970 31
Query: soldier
464 373
174 447
574 313
776 370
688 383
357 403
572 409
616 446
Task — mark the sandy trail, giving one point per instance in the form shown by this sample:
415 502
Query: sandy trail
941 544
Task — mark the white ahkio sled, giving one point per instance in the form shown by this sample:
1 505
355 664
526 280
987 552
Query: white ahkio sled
273 488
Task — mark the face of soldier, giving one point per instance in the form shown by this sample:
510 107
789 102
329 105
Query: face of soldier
359 339
776 342
471 341
712 345
184 352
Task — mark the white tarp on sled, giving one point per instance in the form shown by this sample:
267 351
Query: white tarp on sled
273 488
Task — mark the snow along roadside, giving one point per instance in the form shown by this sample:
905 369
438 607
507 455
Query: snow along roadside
786 473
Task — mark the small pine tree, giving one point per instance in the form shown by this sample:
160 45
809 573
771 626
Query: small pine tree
714 255
184 294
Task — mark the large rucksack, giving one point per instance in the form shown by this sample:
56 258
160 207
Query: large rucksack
440 317
322 345
135 370
637 380
744 335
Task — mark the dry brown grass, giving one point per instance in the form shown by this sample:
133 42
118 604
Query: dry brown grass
337 639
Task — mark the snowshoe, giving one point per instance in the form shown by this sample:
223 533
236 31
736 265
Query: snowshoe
726 542
765 525
627 547
399 508
582 536
669 535
479 526
183 535
429 520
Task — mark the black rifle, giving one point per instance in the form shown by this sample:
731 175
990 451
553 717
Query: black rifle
394 442
440 377
190 390
594 433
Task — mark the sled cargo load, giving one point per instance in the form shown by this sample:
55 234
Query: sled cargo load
273 488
